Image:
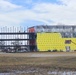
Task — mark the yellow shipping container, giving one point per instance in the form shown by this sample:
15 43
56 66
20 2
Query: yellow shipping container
54 41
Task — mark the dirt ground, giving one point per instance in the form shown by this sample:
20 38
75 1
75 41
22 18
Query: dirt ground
40 62
38 54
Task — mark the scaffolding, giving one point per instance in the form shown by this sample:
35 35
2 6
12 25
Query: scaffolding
15 40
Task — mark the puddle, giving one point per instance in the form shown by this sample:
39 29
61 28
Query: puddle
36 71
20 72
62 73
6 73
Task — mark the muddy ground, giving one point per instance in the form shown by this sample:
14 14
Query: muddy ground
37 63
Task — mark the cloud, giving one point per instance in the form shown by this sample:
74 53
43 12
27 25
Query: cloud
47 13
7 6
63 13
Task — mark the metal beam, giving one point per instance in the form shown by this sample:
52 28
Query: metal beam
15 39
15 45
14 33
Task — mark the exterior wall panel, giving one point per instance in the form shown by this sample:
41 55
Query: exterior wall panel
31 29
32 43
54 41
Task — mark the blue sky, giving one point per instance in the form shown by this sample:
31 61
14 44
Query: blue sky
23 2
29 3
37 12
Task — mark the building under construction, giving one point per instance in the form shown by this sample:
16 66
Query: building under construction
16 39
54 38
38 38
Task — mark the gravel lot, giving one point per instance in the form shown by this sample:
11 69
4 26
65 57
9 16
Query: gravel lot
39 54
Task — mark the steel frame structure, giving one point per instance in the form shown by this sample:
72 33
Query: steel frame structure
28 39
